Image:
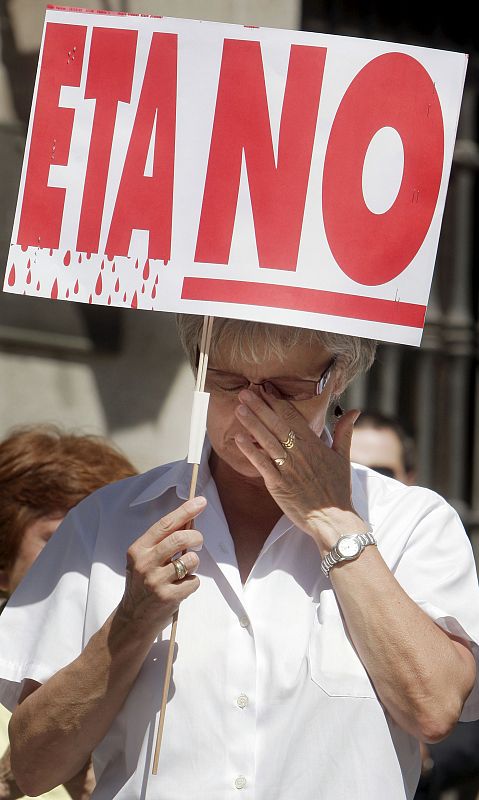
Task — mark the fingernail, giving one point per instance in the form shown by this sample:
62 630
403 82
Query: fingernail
243 411
245 394
198 502
240 437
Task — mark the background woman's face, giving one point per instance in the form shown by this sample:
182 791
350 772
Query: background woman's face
34 539
302 362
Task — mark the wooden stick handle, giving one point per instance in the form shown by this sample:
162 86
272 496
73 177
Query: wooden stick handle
171 651
200 385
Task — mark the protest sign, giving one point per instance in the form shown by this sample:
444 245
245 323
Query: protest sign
217 169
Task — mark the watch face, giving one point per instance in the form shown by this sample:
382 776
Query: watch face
348 547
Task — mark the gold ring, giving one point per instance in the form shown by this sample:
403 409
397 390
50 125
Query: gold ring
289 443
280 461
180 569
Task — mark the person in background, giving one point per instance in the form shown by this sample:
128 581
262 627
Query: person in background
43 474
381 443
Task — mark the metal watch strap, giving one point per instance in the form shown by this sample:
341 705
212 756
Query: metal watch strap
333 557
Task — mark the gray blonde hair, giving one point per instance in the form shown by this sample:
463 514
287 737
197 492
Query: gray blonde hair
254 342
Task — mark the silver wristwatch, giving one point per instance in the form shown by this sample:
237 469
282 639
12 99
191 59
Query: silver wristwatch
347 548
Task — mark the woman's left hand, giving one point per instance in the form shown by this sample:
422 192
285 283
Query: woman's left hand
313 485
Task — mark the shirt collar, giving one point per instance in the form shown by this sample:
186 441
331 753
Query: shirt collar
177 476
358 493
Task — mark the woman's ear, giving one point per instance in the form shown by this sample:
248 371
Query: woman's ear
338 385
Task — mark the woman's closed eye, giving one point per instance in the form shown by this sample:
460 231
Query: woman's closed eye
235 387
226 382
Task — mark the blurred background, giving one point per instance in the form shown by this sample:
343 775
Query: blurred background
121 373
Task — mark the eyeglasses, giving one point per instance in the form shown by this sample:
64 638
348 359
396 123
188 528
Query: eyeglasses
229 383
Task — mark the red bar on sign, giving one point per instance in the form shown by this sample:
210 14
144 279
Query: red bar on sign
297 298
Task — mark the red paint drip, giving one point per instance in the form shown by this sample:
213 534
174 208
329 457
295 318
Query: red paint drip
38 286
51 251
117 285
113 267
54 292
29 277
67 293
165 263
134 301
88 255
153 292
124 298
156 280
24 247
136 264
79 258
143 289
29 264
90 300
76 288
102 265
11 276
67 258
99 285
146 270
109 300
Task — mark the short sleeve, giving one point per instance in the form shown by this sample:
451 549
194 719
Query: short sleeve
438 572
41 627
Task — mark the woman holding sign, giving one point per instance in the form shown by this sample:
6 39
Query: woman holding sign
327 624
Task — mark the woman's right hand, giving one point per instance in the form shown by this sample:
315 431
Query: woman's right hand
152 592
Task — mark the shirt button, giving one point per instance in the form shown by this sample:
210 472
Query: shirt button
244 622
242 700
240 782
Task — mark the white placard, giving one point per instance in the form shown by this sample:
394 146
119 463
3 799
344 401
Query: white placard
280 176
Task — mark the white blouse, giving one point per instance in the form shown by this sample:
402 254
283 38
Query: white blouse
269 699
